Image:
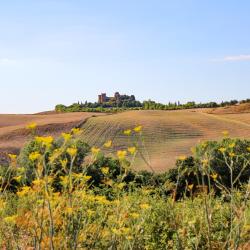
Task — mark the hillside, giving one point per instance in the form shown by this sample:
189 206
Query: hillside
241 108
13 133
167 134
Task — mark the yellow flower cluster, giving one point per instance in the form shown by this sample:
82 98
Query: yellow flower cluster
137 129
182 158
72 151
95 150
66 136
121 154
214 176
24 191
12 157
17 178
225 133
105 170
34 156
222 150
11 219
45 141
127 132
76 131
108 144
132 150
144 206
32 126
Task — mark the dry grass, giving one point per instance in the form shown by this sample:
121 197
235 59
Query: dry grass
241 108
13 134
167 134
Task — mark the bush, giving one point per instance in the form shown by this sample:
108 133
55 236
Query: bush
68 198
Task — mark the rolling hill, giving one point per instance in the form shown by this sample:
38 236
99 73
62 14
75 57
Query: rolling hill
13 133
167 134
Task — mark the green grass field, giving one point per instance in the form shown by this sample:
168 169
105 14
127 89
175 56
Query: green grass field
167 134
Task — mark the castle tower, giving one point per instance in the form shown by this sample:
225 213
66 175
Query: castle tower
102 98
117 96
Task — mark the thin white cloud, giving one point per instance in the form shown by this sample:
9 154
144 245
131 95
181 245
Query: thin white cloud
237 58
7 61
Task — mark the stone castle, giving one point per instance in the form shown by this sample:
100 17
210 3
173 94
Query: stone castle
117 98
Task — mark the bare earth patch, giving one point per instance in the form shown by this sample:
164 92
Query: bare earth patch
13 132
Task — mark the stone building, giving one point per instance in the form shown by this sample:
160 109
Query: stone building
117 98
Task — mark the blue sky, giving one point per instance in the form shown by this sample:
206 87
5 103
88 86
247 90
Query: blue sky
58 51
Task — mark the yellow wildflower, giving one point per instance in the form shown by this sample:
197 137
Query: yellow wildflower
72 151
132 150
127 132
121 185
108 144
95 150
129 237
134 215
138 129
25 190
77 175
87 177
18 178
121 154
182 158
101 199
66 136
222 150
90 212
125 230
144 206
231 154
31 126
76 131
105 170
46 141
193 150
116 231
37 182
64 163
248 149
225 133
10 219
34 156
232 145
191 186
214 176
12 157
64 180
21 170
69 210
204 161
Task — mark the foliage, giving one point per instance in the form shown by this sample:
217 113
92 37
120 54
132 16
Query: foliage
99 202
131 104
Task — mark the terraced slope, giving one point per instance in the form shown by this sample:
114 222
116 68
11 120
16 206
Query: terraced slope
167 134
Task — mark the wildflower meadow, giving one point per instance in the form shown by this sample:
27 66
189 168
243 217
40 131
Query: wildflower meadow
62 194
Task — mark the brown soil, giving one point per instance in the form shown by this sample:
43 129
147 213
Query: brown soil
13 132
